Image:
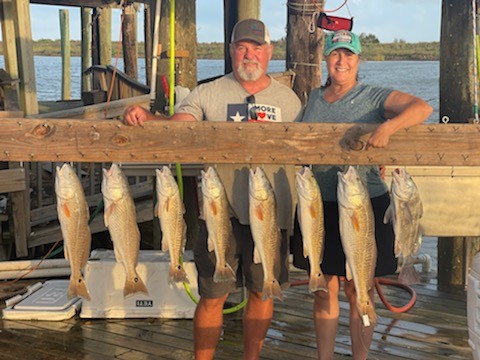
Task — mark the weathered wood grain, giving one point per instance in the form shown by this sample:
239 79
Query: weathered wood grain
229 142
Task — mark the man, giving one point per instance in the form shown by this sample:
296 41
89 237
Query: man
246 94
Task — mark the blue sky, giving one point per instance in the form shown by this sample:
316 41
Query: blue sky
389 20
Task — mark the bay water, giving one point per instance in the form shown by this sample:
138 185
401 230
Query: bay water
420 78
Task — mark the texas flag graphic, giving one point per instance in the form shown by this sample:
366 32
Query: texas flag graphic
253 112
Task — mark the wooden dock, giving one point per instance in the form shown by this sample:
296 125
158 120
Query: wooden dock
435 328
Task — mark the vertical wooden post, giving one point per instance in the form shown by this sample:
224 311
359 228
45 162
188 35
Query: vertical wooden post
129 41
86 17
8 38
230 16
234 11
456 105
65 51
304 49
185 45
20 200
105 35
148 30
23 31
248 9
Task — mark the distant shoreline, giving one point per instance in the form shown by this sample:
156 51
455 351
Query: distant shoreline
396 51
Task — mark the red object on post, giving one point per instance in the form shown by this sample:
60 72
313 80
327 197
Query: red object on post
334 23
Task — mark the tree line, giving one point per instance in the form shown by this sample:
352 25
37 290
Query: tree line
372 49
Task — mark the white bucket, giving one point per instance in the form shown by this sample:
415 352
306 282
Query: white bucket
450 197
473 307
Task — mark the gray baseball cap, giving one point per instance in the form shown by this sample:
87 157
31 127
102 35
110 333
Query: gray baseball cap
251 29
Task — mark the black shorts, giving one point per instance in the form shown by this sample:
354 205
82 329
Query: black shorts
333 257
240 258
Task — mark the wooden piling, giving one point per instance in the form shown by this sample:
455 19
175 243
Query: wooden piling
65 52
86 18
23 34
129 41
304 47
148 31
456 105
185 45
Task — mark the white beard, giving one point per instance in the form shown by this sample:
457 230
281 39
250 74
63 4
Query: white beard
247 74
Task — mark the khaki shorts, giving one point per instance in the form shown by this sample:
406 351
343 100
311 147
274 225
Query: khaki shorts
240 258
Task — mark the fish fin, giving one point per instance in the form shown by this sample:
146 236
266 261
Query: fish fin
397 249
65 250
305 250
257 259
259 213
388 214
408 275
155 210
354 220
134 285
210 243
369 311
177 274
317 282
213 207
348 272
167 204
165 246
66 210
108 211
224 273
313 212
78 287
272 290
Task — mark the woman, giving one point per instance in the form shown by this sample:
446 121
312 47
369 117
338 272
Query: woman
344 99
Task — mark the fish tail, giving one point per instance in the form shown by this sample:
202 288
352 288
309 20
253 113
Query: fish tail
177 274
134 285
367 310
272 290
317 282
224 273
408 275
78 287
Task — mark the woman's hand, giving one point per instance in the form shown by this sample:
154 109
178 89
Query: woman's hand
381 136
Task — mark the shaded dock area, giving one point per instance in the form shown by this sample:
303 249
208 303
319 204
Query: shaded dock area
435 328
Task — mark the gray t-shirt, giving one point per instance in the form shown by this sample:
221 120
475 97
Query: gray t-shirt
226 100
362 104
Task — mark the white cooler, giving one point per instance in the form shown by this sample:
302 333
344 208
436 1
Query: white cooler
105 279
473 307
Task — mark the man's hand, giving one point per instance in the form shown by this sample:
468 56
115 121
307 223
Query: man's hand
136 115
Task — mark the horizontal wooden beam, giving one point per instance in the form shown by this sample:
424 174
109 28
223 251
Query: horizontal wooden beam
97 111
229 142
12 180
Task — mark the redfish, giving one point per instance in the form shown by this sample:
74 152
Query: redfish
310 218
121 220
170 210
357 232
217 219
73 215
265 231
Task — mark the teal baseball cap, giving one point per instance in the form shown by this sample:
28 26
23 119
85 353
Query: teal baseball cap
342 39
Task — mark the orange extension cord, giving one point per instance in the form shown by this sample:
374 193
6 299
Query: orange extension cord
388 282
